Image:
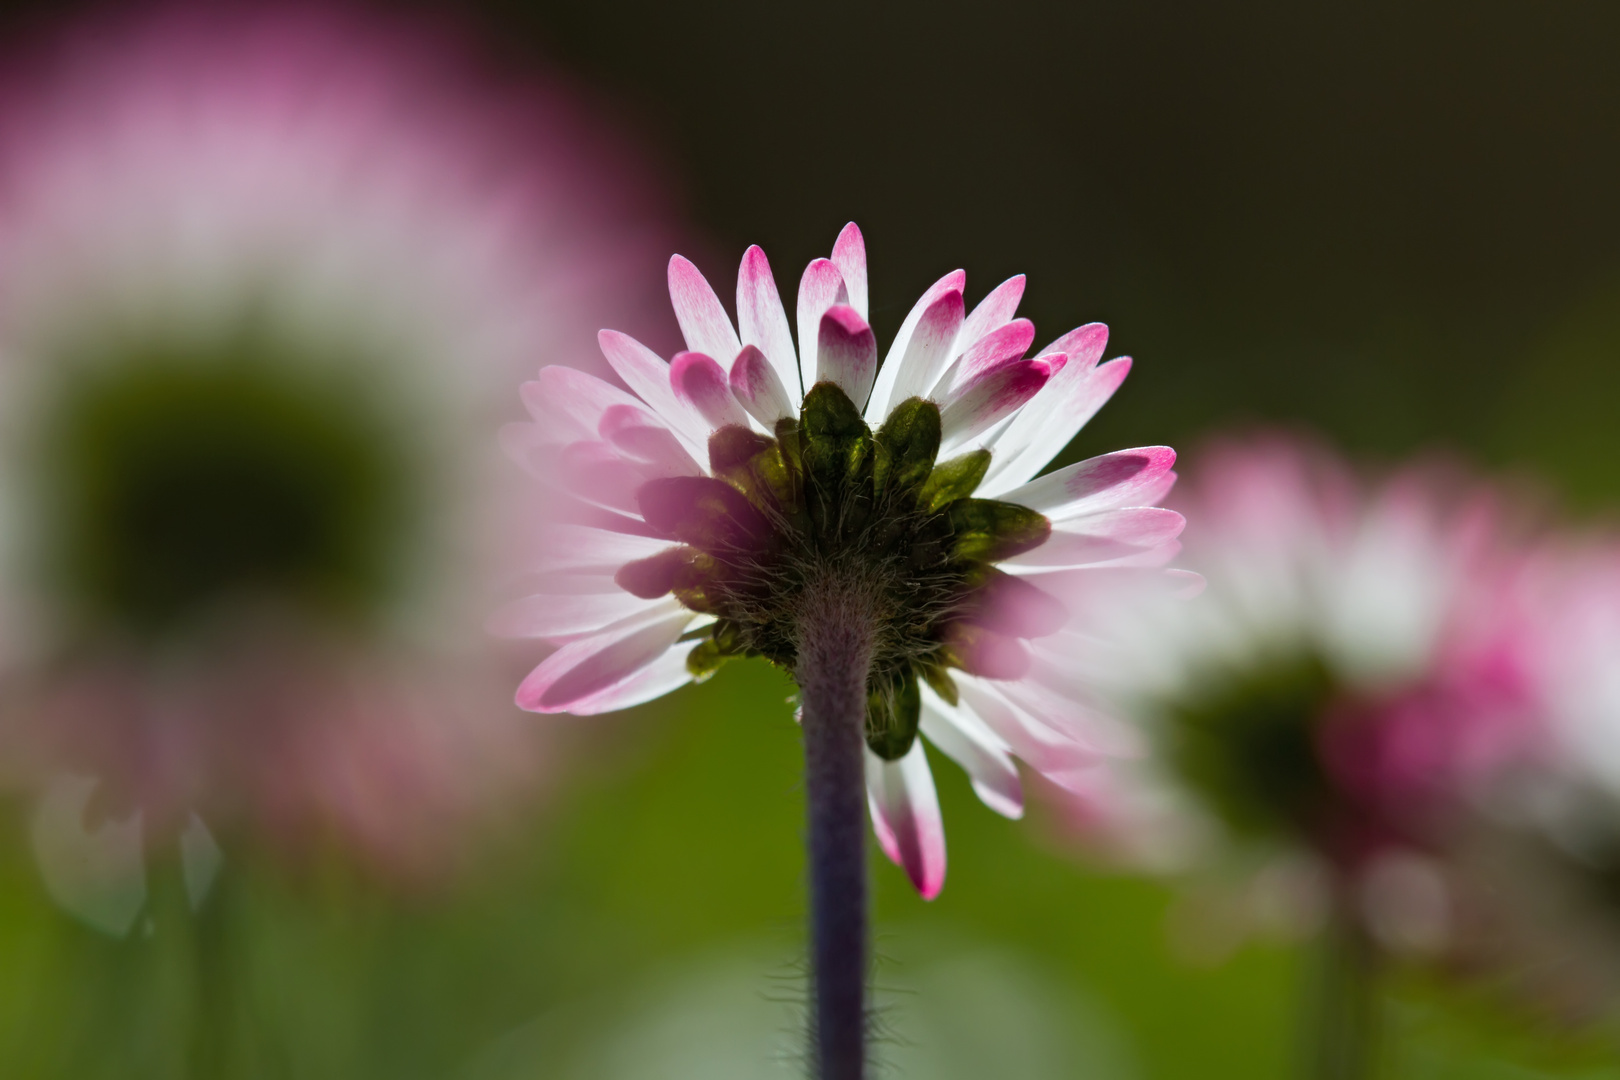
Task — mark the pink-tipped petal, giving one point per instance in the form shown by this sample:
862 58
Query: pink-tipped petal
704 322
883 397
1015 607
701 382
929 349
587 668
646 373
668 672
988 653
1124 478
1105 538
1047 425
820 288
846 352
762 320
995 310
906 818
980 404
595 472
1047 749
755 385
1093 730
849 255
563 392
961 737
637 434
584 548
1084 345
1008 342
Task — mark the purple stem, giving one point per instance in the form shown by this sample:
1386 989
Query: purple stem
834 654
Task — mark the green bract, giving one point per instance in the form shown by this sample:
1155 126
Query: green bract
826 499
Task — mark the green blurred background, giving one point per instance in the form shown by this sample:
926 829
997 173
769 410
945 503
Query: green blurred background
1397 224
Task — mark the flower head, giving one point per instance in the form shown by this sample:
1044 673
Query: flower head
746 478
265 275
1358 664
1538 860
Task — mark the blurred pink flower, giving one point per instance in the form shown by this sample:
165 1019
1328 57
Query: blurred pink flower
1358 667
266 276
710 499
1539 860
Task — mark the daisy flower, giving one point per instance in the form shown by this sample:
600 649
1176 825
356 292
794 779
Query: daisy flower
1539 859
876 530
265 276
1359 657
1357 669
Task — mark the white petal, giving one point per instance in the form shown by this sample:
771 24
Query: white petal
1008 342
1104 537
906 818
1050 421
849 255
583 671
883 398
756 386
1044 747
561 391
820 288
637 434
761 318
700 381
982 403
645 372
1137 477
846 352
704 322
663 675
928 351
966 741
995 310
580 547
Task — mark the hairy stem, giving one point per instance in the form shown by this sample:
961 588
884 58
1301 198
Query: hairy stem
834 655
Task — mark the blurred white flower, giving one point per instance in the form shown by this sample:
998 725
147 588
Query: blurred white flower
265 276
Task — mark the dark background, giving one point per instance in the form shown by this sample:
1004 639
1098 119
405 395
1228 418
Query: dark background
1384 220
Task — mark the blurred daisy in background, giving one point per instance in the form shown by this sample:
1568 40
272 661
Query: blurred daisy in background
1326 717
1539 864
1359 666
266 278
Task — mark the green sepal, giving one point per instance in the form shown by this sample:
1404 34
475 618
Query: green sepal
696 583
954 479
987 530
906 445
893 711
837 454
703 661
753 464
940 681
723 643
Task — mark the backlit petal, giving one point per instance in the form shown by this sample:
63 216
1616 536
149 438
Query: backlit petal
704 322
849 255
906 818
820 288
761 318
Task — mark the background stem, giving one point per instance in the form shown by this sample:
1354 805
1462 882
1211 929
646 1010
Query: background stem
834 655
1343 1042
